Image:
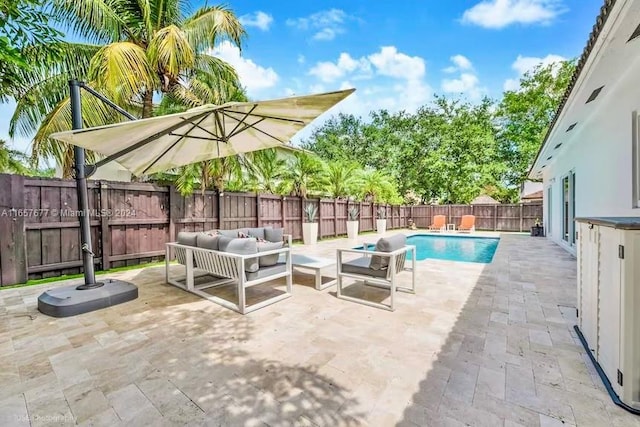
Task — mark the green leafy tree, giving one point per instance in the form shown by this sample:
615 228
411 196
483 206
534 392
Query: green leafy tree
265 170
342 178
525 114
305 173
12 161
130 49
23 24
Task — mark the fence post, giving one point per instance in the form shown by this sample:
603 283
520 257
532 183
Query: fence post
360 217
495 217
521 218
105 247
335 217
172 209
320 219
283 213
13 252
221 210
258 211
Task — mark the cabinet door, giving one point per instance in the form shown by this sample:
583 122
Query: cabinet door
588 284
609 305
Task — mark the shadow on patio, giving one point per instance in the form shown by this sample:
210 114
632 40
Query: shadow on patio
166 357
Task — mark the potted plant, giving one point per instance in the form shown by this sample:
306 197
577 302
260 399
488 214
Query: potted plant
352 222
310 226
381 222
537 230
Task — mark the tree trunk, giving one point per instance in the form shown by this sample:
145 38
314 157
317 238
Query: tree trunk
147 104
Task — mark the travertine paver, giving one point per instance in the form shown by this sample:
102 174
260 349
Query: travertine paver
479 345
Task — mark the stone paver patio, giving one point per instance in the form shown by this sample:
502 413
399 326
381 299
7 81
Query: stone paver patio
479 345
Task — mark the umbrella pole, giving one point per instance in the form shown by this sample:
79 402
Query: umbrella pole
81 187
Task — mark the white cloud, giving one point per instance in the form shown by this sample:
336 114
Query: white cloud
328 71
394 81
257 19
501 13
390 62
326 24
252 76
460 62
524 64
467 83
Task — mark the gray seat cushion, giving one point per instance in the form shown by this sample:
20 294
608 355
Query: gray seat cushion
207 241
267 271
361 266
387 244
269 260
241 247
188 238
274 234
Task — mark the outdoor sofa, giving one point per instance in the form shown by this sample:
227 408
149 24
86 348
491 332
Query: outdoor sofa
246 257
379 267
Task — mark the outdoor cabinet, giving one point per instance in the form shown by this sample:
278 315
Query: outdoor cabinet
609 299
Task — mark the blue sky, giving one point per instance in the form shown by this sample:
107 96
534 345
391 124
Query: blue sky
397 54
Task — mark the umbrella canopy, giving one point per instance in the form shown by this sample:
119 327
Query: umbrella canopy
166 142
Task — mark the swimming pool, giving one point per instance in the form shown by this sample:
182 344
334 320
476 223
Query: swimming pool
454 248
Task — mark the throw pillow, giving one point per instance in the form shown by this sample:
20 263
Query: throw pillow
274 234
386 244
269 260
241 247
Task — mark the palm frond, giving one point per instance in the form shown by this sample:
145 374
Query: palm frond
95 20
123 70
170 52
94 113
212 24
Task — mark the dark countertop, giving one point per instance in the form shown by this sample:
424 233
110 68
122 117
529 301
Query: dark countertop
620 222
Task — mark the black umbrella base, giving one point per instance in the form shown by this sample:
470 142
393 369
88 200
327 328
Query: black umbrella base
74 300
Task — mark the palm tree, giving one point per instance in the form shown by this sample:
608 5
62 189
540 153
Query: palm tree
377 187
342 179
12 161
265 170
305 173
131 50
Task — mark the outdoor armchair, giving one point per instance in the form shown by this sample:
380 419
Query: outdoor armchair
379 267
439 223
467 224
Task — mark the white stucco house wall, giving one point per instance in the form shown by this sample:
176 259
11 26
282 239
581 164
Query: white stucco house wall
589 163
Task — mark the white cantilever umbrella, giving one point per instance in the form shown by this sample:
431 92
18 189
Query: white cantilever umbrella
165 142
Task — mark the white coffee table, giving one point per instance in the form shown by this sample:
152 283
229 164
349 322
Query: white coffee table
451 227
316 264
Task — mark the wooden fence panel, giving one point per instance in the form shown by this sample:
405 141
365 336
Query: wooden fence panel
367 217
326 218
271 211
508 217
342 215
293 217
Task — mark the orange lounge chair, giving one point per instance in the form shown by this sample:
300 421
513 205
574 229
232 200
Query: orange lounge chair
439 223
467 224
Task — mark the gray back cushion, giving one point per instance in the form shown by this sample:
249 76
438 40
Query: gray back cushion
273 234
188 238
228 233
387 244
207 241
241 247
257 232
268 260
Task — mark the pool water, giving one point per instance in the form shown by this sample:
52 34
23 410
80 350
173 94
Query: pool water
454 248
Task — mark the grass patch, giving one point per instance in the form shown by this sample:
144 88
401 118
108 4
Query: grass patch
34 282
